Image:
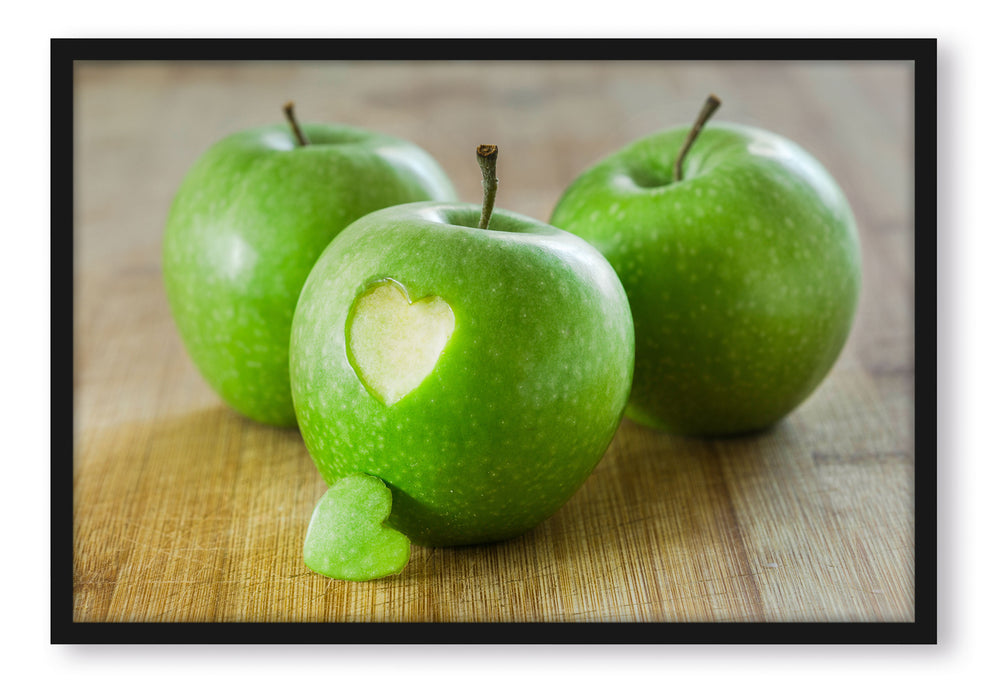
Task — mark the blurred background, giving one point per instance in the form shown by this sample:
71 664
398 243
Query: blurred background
550 119
811 521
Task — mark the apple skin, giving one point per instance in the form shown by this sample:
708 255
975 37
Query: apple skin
346 539
246 226
524 398
743 278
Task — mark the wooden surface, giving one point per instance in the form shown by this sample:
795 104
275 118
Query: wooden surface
184 511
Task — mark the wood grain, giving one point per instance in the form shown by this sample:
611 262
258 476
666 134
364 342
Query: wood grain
184 511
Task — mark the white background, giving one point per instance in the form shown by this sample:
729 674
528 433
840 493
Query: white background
26 250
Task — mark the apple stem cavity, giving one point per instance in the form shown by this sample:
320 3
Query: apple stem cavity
487 155
707 110
289 110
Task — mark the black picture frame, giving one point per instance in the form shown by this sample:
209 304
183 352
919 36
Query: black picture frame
921 52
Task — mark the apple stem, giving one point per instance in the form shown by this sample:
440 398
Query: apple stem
707 110
289 110
487 155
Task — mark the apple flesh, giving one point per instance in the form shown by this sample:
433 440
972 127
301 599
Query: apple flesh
393 343
245 228
480 373
743 277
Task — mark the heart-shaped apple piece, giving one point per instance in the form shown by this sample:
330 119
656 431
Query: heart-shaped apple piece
347 538
394 343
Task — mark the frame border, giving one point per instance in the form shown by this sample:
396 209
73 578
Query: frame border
922 52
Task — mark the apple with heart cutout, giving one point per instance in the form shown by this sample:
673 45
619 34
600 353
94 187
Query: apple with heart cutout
740 258
475 360
246 226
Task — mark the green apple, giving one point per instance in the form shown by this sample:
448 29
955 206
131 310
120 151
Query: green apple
481 373
246 226
743 275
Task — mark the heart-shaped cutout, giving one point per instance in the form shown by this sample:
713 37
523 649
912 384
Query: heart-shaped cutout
392 342
347 538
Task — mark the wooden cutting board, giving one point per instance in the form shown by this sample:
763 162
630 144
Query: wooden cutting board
184 511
